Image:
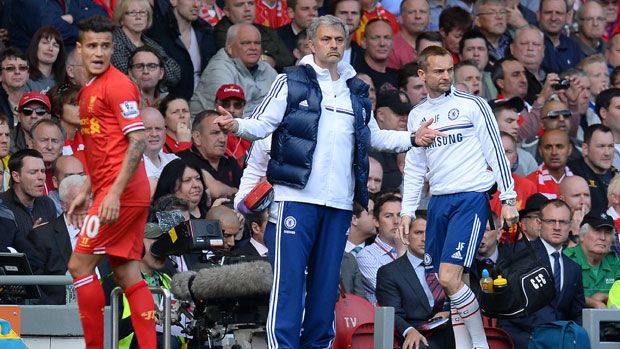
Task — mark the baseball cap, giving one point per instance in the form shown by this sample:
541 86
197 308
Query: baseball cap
34 96
229 91
533 203
395 100
514 103
152 231
598 219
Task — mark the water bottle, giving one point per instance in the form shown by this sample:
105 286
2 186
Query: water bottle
500 284
486 283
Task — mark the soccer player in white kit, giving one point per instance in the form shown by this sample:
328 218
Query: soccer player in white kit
457 167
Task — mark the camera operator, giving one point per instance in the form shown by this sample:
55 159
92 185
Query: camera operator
229 221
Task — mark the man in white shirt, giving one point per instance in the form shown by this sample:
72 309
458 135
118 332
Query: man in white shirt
154 157
387 246
456 167
362 228
321 124
569 300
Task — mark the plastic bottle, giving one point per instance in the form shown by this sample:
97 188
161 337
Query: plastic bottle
486 283
500 284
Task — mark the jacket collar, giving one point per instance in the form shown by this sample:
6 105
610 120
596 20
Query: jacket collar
345 69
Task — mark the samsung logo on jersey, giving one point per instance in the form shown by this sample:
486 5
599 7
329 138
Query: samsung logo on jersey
451 139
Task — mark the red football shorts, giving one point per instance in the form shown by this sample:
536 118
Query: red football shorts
123 239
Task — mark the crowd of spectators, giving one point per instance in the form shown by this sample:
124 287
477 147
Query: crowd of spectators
549 69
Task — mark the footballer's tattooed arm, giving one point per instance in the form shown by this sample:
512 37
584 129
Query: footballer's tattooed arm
110 206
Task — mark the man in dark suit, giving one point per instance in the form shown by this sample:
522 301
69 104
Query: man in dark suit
569 300
52 242
488 254
301 13
403 284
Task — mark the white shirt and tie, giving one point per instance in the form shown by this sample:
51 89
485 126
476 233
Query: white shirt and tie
550 254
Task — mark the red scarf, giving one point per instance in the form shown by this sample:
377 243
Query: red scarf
545 183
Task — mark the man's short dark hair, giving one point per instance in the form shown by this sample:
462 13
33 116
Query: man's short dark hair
357 209
145 48
454 18
555 203
65 93
587 135
469 35
95 24
543 1
13 52
201 116
300 38
258 218
421 214
604 98
16 162
407 71
4 120
334 4
383 198
428 36
430 52
464 63
164 102
498 70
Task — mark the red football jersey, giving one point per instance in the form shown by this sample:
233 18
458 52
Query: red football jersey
272 17
109 110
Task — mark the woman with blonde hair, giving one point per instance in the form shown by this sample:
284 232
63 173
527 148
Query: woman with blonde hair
133 18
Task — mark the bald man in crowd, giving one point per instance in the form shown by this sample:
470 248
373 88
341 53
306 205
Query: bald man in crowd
554 148
231 226
63 167
375 175
575 192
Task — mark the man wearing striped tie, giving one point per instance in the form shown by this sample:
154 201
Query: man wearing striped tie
415 294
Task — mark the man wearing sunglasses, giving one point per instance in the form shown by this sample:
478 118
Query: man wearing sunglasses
554 114
14 75
32 107
232 98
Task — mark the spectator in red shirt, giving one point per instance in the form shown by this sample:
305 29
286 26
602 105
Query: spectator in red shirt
272 13
232 99
453 23
555 147
372 9
414 18
65 108
524 187
210 12
176 112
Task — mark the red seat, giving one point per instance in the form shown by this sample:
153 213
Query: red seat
354 322
498 338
